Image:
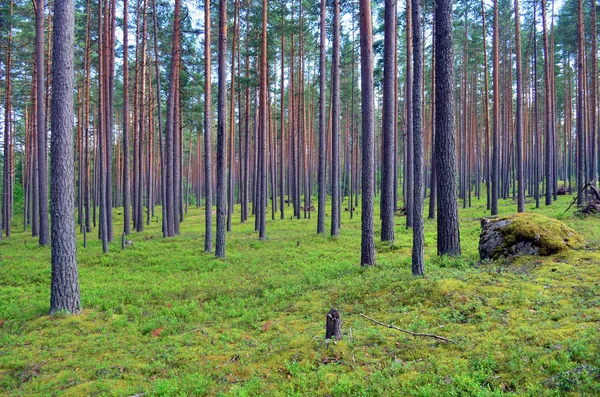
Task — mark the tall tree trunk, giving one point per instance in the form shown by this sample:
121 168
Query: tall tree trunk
247 133
264 126
418 261
581 179
354 139
110 87
282 110
547 112
447 221
42 146
388 121
100 132
433 179
126 192
335 122
594 155
495 166
367 256
409 178
170 140
221 133
64 292
35 197
6 197
163 173
322 124
142 126
537 143
519 118
231 155
487 113
208 235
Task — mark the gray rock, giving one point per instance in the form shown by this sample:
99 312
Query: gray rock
524 234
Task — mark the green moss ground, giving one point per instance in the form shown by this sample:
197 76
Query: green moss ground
163 318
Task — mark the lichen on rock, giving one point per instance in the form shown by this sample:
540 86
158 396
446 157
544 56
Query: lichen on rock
524 234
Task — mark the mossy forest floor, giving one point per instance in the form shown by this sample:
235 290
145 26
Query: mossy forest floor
164 318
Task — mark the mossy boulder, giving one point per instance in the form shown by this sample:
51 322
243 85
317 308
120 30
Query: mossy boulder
524 234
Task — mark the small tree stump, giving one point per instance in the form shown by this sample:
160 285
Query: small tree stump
123 241
333 325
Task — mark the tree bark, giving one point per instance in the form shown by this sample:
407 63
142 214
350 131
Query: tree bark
42 146
6 196
126 192
519 115
231 156
447 221
409 178
322 124
282 110
367 256
418 261
496 115
335 122
221 133
65 286
547 112
388 122
264 127
580 105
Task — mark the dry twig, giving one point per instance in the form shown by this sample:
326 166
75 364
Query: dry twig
407 331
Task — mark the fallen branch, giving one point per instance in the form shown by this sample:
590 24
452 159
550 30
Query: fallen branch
593 189
407 331
233 359
576 197
192 330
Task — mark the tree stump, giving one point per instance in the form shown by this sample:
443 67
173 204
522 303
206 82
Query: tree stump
333 325
123 243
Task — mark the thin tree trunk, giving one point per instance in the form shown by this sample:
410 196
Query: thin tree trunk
170 148
496 115
418 261
581 179
388 122
126 192
433 180
335 122
548 112
282 109
263 126
221 133
6 197
519 119
208 235
42 146
322 127
409 179
231 156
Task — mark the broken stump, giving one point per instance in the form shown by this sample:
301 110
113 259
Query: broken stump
333 325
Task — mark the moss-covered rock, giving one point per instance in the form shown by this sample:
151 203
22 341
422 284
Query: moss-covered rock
525 234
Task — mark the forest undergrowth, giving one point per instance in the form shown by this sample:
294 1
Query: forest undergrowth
164 318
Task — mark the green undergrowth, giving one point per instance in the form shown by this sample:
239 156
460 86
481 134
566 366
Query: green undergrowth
163 318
